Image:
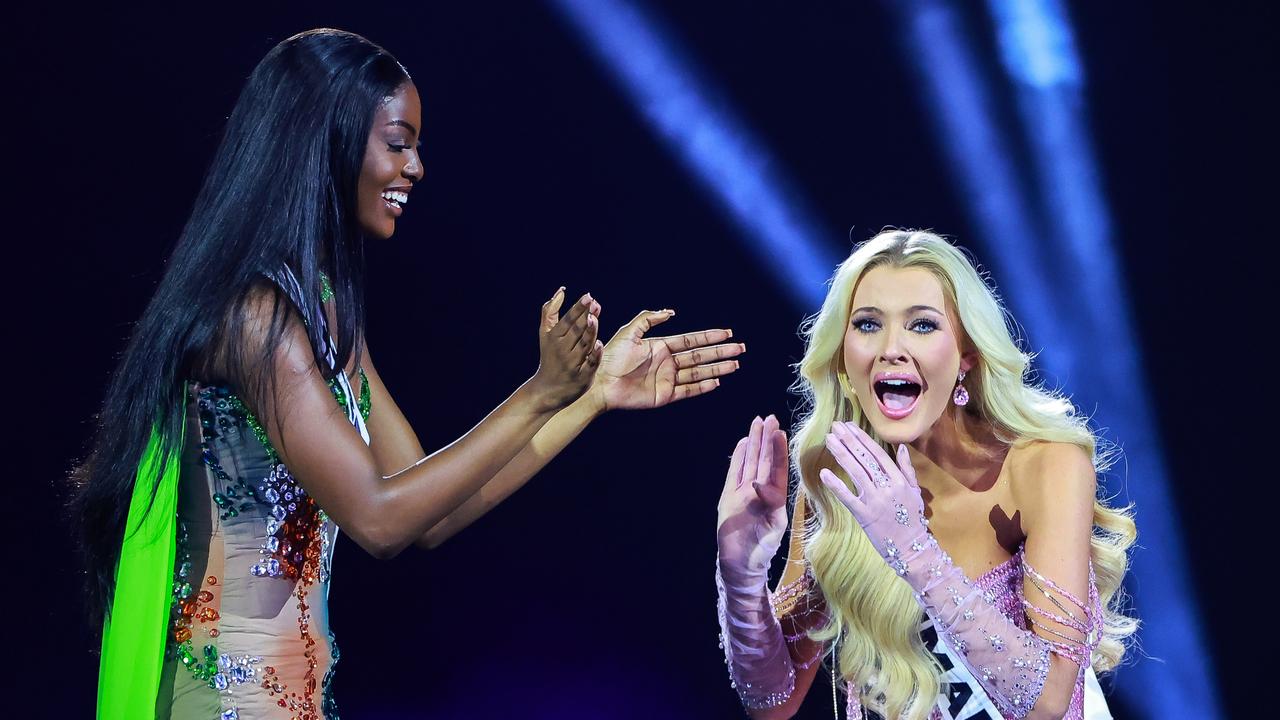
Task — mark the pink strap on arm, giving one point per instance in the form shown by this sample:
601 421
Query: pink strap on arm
1009 662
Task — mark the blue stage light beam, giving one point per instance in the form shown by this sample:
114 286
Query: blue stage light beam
710 141
959 103
1038 52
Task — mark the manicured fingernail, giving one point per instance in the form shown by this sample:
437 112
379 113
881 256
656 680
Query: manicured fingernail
735 365
717 383
730 331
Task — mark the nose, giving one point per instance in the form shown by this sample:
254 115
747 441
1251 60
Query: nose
413 169
893 351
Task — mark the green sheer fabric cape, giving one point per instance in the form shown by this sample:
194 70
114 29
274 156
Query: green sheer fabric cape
134 633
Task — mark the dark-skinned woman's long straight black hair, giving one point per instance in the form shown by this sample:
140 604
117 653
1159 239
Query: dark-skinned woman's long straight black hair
281 191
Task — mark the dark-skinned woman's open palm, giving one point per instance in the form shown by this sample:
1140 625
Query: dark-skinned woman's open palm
637 372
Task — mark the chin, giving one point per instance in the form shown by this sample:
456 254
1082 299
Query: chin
896 432
895 435
378 232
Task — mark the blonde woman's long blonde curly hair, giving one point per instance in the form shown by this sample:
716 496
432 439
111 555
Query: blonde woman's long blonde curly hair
873 612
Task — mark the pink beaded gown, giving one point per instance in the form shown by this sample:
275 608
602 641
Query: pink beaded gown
961 696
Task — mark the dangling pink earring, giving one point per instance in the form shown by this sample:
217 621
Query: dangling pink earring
960 396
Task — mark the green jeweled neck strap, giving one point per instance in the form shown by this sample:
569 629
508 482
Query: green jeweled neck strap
133 635
326 288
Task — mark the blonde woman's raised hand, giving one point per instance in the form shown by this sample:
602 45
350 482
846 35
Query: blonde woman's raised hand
753 503
888 504
569 352
638 372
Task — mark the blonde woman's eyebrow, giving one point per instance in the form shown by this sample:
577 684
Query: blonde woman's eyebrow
930 308
912 309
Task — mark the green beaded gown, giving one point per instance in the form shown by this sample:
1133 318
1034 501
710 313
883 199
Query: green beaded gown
248 635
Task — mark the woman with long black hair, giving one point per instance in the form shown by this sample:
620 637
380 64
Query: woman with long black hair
246 422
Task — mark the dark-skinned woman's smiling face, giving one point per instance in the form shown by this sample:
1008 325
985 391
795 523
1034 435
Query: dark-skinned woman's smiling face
392 163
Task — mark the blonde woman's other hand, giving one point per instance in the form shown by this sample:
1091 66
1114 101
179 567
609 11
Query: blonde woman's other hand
753 503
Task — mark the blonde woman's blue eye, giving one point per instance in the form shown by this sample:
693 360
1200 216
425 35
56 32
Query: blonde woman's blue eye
924 326
865 325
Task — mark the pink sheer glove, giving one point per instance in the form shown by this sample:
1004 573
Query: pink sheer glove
752 520
1009 662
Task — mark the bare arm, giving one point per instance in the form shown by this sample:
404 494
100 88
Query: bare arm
545 445
1057 499
396 447
635 372
345 476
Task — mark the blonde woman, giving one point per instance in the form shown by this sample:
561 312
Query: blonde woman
949 555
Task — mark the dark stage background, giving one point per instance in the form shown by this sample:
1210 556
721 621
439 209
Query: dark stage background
590 594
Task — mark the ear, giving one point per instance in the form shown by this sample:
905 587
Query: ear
968 360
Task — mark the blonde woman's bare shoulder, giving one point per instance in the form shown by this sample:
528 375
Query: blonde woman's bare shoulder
1046 474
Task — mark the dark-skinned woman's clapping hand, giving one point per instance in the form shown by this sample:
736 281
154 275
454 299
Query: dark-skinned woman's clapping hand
569 351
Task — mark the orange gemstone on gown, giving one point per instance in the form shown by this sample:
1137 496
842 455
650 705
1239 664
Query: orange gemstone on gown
182 635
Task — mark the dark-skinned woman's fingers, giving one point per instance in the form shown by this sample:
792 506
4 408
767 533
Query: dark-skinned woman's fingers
704 355
587 341
644 321
688 390
551 310
592 360
703 372
689 341
573 319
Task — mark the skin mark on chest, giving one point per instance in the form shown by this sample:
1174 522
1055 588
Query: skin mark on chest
976 532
